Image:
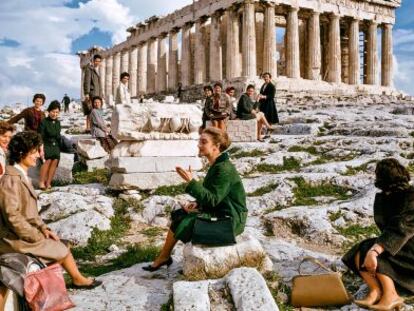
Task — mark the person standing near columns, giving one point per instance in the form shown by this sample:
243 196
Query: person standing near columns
91 87
267 99
123 97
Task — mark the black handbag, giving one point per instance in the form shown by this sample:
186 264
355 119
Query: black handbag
213 231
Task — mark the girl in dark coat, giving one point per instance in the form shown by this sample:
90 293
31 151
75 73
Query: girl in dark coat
221 194
49 129
388 258
267 99
208 95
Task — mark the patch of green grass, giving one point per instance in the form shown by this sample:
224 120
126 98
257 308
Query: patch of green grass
251 153
311 150
100 176
335 215
60 183
409 156
353 170
412 134
135 254
263 190
152 231
134 204
100 241
289 164
233 150
325 158
169 305
79 167
275 285
272 209
410 167
171 190
319 142
357 233
305 192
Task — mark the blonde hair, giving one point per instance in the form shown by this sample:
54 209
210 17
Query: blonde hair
218 137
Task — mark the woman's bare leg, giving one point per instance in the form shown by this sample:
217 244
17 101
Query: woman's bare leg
389 292
51 173
259 128
265 122
69 264
169 244
44 173
214 123
3 291
222 125
373 285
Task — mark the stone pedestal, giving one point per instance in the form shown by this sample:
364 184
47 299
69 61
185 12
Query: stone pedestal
249 40
354 63
292 44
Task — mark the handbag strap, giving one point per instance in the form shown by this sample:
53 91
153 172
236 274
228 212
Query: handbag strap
37 260
315 261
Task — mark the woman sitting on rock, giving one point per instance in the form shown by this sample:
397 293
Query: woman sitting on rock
21 228
388 258
6 132
247 109
219 109
99 129
49 129
221 194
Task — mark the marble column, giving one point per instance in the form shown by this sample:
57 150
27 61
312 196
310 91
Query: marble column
152 65
124 61
116 72
372 54
82 81
133 70
233 68
387 56
162 64
108 76
200 72
292 44
269 45
142 68
249 40
314 47
334 50
216 59
186 55
354 63
102 71
173 60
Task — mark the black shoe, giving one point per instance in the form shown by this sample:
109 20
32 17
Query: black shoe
95 283
150 268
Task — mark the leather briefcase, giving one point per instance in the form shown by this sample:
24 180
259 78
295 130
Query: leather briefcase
318 290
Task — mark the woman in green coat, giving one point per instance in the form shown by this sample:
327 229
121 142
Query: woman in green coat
49 129
221 194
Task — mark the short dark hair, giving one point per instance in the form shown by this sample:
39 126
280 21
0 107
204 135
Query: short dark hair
39 95
208 87
218 84
96 56
250 86
124 74
95 98
267 73
391 175
6 127
53 105
22 144
230 88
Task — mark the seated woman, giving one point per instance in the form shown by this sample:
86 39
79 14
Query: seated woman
6 132
49 129
99 129
21 228
388 258
247 110
219 109
221 194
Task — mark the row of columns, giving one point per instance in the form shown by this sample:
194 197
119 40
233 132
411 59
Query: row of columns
153 68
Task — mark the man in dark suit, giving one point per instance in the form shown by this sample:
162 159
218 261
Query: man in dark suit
91 86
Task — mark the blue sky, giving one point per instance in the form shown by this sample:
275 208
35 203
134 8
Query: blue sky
39 39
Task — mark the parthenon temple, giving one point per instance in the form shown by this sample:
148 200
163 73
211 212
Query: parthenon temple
325 46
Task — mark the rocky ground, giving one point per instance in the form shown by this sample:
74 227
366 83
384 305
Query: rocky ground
310 193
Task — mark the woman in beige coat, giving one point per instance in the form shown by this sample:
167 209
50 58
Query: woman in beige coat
21 228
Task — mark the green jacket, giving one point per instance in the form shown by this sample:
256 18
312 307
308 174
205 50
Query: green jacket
221 193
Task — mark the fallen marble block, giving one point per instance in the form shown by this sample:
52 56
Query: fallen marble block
249 291
203 262
137 122
156 148
191 296
63 172
154 164
96 164
144 181
90 149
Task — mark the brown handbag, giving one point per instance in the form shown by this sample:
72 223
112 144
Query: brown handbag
318 290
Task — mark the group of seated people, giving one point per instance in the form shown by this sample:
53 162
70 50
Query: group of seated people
219 106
